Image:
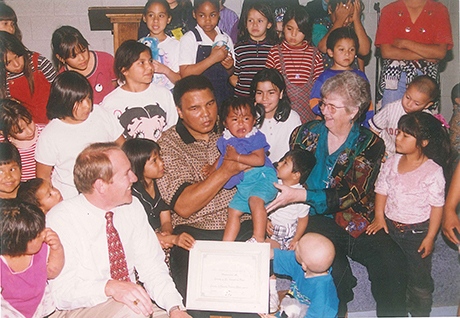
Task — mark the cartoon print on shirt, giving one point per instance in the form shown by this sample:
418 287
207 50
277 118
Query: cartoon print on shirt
143 122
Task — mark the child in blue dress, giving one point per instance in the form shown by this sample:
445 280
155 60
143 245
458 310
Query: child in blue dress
244 143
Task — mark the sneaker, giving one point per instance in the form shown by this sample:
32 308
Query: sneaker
252 240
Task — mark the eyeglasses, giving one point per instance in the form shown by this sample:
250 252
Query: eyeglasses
332 108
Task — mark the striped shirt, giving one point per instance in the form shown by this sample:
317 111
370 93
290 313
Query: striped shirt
44 65
250 58
298 61
28 156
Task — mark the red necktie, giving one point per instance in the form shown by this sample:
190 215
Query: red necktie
118 266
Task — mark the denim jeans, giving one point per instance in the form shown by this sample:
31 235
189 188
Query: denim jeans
420 285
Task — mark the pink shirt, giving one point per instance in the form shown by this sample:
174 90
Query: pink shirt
24 290
410 195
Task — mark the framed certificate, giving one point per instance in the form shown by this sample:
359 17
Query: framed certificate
229 276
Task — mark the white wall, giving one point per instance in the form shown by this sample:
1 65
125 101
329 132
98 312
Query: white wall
39 18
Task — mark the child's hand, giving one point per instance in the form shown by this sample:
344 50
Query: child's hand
376 226
184 240
218 53
207 170
228 62
165 239
269 228
159 67
293 244
52 239
231 153
426 247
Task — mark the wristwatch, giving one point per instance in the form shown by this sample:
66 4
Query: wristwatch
177 307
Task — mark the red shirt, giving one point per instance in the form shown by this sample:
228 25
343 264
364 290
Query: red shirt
431 27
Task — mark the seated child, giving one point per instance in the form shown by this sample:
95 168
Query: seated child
18 127
207 50
244 143
75 123
71 52
40 193
342 47
309 266
31 254
10 171
142 108
286 225
147 165
420 94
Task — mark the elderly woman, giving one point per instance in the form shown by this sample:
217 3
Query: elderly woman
340 191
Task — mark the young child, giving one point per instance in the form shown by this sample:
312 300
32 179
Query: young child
208 50
72 53
40 193
18 127
228 21
410 198
342 13
10 171
157 16
420 94
244 143
31 254
269 90
25 76
182 20
9 21
413 36
142 108
298 61
309 265
74 124
147 165
256 38
286 225
342 47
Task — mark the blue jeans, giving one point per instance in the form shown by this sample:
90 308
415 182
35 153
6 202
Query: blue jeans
420 285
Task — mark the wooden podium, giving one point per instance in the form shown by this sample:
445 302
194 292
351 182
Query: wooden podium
122 21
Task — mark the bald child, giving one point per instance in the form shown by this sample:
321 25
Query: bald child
309 266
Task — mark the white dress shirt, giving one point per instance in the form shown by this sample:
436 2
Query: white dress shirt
82 229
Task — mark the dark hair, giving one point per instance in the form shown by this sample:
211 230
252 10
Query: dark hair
10 43
11 112
239 103
455 93
20 223
66 42
148 111
68 88
7 14
128 53
303 162
27 191
334 3
9 153
189 84
424 126
339 34
198 3
300 16
138 151
426 85
163 2
273 76
264 9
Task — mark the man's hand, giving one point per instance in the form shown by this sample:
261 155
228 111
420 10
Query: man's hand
130 294
179 314
184 240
